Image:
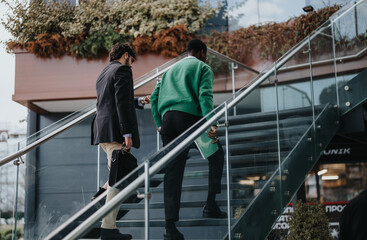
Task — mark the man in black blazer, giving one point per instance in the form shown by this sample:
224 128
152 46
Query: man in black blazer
115 122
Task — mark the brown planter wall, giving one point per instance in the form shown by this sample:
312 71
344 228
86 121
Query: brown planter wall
66 78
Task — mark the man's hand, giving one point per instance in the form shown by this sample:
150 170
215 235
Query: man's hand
128 143
213 134
145 100
159 129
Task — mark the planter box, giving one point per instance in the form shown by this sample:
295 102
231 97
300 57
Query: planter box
39 80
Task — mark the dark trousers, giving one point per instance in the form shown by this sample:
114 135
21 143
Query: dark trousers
174 123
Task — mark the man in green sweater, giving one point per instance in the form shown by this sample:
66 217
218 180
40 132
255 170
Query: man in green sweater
180 99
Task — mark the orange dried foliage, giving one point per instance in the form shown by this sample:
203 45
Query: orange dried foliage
268 41
48 45
172 41
143 44
169 42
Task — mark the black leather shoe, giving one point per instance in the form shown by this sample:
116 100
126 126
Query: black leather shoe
213 212
173 235
114 234
100 191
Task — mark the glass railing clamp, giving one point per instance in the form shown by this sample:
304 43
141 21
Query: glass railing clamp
274 212
238 236
143 195
234 65
18 161
224 124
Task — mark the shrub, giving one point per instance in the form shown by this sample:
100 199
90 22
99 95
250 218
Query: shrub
309 222
55 28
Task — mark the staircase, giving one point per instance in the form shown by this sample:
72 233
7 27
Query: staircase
253 154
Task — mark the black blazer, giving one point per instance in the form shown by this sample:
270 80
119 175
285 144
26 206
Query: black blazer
116 114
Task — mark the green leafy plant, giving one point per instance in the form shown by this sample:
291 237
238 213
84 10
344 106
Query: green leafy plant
7 233
55 28
97 45
309 222
25 21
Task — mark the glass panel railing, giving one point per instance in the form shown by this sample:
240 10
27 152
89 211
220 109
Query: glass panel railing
253 155
135 195
325 94
295 102
12 201
350 40
350 31
324 86
61 179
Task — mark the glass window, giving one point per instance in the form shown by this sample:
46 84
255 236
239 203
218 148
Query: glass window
338 182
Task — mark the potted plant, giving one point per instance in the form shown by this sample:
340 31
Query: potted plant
309 222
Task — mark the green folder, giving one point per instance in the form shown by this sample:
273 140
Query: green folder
205 145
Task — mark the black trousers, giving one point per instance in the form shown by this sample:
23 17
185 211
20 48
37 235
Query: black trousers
174 123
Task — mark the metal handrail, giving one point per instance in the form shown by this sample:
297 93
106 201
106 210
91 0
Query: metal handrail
338 59
218 54
123 194
86 115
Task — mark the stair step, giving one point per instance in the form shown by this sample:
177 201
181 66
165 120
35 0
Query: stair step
187 188
263 134
159 205
265 125
234 172
255 159
204 222
262 146
254 147
268 116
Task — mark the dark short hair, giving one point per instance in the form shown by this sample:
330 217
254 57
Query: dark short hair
196 45
119 49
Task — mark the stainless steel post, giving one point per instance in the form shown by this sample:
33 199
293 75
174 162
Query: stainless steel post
228 172
278 132
312 101
335 68
147 197
311 82
157 70
15 215
233 67
98 166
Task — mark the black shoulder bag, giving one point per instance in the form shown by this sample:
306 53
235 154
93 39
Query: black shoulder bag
122 163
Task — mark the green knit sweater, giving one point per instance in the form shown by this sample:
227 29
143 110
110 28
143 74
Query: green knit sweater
186 87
